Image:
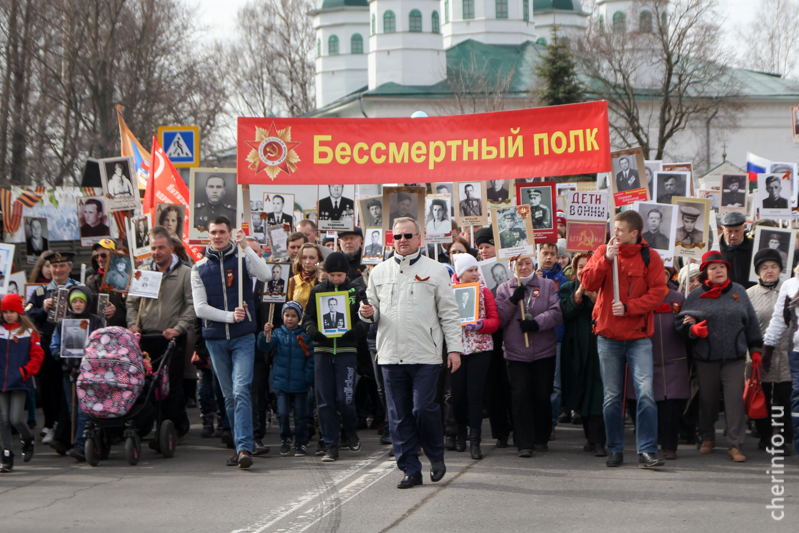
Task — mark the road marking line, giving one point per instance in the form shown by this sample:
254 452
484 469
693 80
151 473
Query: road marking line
280 513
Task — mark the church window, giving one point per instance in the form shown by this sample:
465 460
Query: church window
619 22
436 22
526 9
468 9
645 22
356 44
502 9
389 22
415 21
332 46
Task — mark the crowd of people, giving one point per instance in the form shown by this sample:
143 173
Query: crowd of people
550 345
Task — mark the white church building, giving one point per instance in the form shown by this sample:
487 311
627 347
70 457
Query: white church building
390 58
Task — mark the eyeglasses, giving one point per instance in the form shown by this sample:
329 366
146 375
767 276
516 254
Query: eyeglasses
101 254
408 236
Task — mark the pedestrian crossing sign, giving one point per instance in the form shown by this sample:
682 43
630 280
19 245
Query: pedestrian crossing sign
181 144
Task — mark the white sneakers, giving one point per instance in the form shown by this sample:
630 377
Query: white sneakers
49 433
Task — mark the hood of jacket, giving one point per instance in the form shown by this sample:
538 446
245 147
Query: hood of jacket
89 303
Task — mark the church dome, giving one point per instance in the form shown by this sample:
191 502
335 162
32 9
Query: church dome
549 5
326 4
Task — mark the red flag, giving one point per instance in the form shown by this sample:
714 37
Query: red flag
165 186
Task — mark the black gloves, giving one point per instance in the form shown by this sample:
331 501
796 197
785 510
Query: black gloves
319 337
786 311
349 335
528 325
518 295
768 353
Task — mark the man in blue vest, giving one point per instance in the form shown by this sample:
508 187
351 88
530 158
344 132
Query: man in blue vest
228 329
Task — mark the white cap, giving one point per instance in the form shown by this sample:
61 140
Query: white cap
463 262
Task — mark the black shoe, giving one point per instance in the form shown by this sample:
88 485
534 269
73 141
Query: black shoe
565 417
437 471
27 450
233 461
78 456
321 449
615 459
460 439
260 448
589 447
449 442
227 439
300 451
526 453
207 432
385 438
410 482
353 442
502 443
600 451
7 463
285 448
475 437
59 447
577 419
330 455
650 460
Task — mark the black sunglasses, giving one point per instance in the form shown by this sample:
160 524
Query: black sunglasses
408 236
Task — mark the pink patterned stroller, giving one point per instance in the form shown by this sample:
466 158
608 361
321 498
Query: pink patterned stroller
113 375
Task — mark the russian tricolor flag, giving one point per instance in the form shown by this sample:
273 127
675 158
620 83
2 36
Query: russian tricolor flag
756 165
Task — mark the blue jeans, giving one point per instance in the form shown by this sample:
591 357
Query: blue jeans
793 360
414 416
284 403
555 397
233 365
637 354
80 440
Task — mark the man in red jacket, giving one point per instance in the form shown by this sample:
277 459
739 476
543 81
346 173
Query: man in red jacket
624 329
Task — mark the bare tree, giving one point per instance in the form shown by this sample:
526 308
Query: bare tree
270 67
772 38
662 71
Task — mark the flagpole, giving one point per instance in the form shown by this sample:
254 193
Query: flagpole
239 207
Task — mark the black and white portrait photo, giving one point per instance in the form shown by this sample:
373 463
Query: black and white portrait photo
275 288
213 195
670 184
437 221
540 201
277 236
35 237
469 199
499 193
403 202
773 195
733 192
780 239
660 226
625 172
171 217
93 220
651 168
336 207
74 337
446 188
373 244
120 186
278 209
371 212
495 273
6 263
141 228
467 297
333 313
690 224
117 275
712 195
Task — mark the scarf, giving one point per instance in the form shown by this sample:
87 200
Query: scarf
768 285
307 277
714 290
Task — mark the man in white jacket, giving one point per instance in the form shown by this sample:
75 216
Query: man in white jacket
411 298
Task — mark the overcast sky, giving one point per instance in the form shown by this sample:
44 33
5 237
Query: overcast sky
220 15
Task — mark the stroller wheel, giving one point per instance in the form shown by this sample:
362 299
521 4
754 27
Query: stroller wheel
132 450
167 439
92 452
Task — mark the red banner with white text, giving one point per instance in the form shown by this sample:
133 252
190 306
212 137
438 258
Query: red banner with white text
546 141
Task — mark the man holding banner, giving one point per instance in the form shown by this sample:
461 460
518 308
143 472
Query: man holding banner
229 327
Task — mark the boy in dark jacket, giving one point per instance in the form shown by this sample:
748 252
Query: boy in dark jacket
80 302
335 359
292 375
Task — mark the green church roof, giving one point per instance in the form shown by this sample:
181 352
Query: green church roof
549 5
327 4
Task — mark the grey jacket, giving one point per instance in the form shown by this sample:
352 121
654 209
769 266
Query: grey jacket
732 324
174 307
764 300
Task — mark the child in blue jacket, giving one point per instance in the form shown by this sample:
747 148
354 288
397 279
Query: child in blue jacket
292 375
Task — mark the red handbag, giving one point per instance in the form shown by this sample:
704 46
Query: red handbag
754 397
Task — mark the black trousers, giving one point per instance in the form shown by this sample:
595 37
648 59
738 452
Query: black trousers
594 429
498 393
468 388
669 421
777 394
367 399
531 387
51 386
173 407
259 393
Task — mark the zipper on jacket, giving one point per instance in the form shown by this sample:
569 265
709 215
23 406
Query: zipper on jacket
629 286
224 291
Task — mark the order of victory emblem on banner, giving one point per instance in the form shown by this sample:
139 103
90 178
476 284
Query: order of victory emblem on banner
273 151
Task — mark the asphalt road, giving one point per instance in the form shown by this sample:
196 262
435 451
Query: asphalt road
564 489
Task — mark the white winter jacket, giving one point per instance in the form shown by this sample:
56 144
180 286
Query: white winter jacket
777 327
415 309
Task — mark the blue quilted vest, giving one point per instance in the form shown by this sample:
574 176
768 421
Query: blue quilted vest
219 274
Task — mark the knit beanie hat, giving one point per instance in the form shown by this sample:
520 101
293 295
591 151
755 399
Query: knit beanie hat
562 248
77 293
292 305
463 262
484 235
767 254
12 302
686 273
337 262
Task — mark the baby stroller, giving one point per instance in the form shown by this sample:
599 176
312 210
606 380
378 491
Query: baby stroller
110 384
